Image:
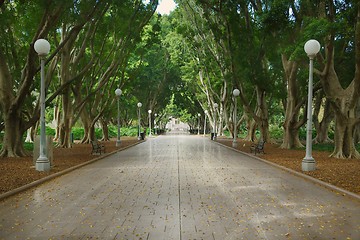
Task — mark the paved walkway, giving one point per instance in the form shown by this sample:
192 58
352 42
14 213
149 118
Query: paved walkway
179 187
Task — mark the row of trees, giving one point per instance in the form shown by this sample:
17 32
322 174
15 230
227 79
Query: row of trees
193 59
96 47
257 47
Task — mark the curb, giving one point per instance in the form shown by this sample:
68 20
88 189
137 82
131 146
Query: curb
63 172
302 175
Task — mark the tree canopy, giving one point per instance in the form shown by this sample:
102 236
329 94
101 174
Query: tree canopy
182 64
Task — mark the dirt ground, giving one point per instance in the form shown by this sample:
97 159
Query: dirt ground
16 172
344 173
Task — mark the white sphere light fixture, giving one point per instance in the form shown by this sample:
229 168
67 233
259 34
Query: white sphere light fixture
149 111
236 92
139 105
312 47
118 92
42 47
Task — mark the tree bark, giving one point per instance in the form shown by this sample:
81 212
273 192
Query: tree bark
105 130
292 123
13 122
13 137
343 99
322 127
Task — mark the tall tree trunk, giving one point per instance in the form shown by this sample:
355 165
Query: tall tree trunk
13 137
326 114
292 123
11 114
105 130
251 129
344 144
56 121
66 73
89 133
262 114
86 122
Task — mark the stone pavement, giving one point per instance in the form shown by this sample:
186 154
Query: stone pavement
179 187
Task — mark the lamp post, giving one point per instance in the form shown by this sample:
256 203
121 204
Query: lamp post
206 112
236 93
42 47
155 123
216 107
199 123
149 111
118 93
312 47
139 105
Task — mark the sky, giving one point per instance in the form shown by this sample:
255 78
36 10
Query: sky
165 6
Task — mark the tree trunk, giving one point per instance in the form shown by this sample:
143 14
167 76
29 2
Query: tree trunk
322 126
89 134
291 138
11 114
357 134
105 130
262 115
344 130
56 121
292 123
86 122
251 129
30 134
13 137
357 126
65 123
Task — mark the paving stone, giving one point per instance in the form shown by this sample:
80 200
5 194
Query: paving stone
179 187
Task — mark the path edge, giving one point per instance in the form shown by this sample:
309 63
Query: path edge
63 172
302 175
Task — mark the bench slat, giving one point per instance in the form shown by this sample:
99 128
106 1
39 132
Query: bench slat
97 147
258 148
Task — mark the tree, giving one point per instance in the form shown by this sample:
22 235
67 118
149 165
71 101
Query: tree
343 96
18 67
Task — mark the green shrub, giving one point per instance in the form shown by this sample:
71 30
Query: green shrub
302 133
113 131
49 131
98 133
29 146
227 133
78 133
129 131
326 147
276 132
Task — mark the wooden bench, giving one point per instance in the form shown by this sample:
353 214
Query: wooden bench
258 148
97 147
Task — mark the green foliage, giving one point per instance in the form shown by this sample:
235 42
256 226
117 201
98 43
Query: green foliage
49 131
276 132
129 131
78 133
29 146
325 147
98 133
275 18
124 131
